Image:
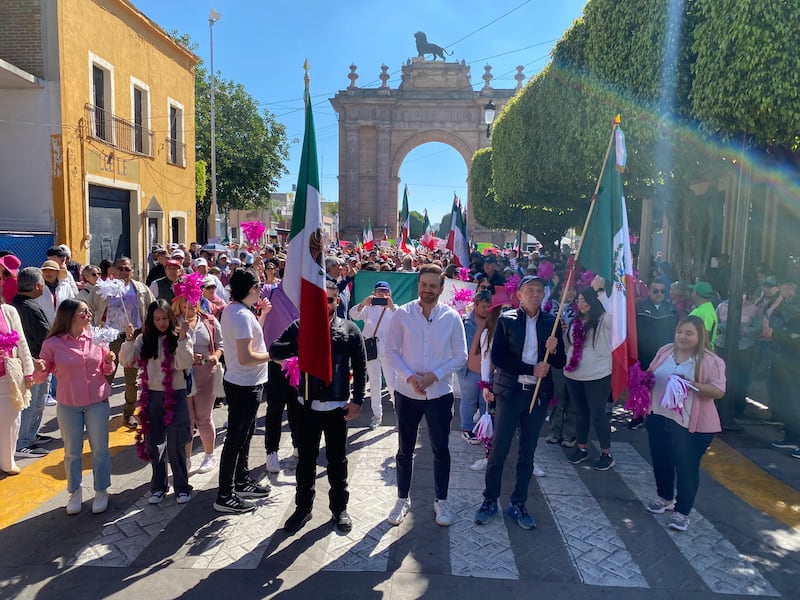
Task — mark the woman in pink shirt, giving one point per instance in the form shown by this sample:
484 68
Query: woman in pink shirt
683 418
81 367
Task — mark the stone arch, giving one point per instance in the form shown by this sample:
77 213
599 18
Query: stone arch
378 127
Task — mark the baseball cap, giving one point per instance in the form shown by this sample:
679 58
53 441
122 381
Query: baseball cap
173 263
56 251
66 249
199 262
702 289
383 285
157 248
50 264
530 279
771 281
179 254
209 281
491 259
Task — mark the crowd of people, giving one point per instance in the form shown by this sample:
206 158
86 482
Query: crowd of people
197 331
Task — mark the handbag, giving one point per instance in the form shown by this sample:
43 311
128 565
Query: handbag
19 392
371 343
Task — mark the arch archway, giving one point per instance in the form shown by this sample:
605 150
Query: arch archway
378 127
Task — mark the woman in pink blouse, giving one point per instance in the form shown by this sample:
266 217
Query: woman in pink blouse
81 367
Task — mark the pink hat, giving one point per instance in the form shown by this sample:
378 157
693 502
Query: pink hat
11 264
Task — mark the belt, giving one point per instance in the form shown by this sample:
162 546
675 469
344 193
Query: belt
527 387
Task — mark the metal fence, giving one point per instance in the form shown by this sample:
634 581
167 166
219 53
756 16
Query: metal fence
118 132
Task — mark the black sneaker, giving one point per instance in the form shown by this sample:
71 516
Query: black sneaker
43 439
634 424
604 463
299 518
781 443
580 455
31 452
250 489
233 505
343 521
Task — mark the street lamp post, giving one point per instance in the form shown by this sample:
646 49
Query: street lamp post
213 215
488 115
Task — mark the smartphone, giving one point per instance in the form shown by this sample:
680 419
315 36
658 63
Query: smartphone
379 301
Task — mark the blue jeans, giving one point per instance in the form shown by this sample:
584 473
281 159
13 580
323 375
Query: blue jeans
676 455
438 414
511 412
471 398
31 417
71 421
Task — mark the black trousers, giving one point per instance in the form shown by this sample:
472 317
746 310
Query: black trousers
280 395
676 455
242 407
333 425
167 443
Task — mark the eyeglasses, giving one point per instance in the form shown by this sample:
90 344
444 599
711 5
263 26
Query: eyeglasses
331 300
484 287
270 268
92 275
658 291
125 269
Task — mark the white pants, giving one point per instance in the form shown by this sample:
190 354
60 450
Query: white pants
374 372
9 427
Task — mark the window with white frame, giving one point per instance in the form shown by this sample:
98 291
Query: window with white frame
141 136
101 98
176 145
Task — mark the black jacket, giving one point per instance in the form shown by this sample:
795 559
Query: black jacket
509 340
654 328
34 322
347 352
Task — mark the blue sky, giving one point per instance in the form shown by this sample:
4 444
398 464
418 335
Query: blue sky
262 45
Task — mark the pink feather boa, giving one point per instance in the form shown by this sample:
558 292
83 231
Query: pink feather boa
640 383
143 413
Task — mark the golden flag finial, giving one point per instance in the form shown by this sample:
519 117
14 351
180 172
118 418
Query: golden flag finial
617 120
306 78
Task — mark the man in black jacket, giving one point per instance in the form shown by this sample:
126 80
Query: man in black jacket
521 339
36 326
328 409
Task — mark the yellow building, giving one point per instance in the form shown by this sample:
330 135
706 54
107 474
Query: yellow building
101 102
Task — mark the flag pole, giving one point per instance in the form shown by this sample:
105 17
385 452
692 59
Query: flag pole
571 274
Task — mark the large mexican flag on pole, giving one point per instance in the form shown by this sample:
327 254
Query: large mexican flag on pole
606 250
405 223
304 278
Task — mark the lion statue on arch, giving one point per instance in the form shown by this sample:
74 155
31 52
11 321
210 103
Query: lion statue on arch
425 47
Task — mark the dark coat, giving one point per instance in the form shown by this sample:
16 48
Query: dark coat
34 322
654 328
347 352
509 340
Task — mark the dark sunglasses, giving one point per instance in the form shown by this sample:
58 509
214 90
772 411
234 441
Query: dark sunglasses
331 300
661 291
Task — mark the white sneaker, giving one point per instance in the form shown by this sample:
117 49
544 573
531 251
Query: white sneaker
538 471
156 497
100 503
479 465
273 464
443 516
75 501
183 497
399 512
209 463
50 401
375 422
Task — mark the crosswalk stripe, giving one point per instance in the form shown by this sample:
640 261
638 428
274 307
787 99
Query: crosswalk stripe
598 554
475 551
715 559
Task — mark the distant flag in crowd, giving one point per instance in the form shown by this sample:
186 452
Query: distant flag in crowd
358 243
304 280
428 239
369 243
385 234
457 238
606 250
405 223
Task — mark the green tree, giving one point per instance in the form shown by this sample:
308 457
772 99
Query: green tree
200 179
415 221
251 146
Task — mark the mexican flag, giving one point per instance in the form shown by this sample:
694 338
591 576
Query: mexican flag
304 278
606 250
457 238
368 241
405 223
428 239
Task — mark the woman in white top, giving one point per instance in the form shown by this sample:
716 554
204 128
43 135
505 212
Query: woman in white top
588 374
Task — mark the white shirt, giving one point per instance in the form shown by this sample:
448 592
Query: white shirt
530 349
50 302
239 323
371 315
415 344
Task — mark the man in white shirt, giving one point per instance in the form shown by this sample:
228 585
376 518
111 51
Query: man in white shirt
425 345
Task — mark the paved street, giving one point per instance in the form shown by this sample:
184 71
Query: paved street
594 538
